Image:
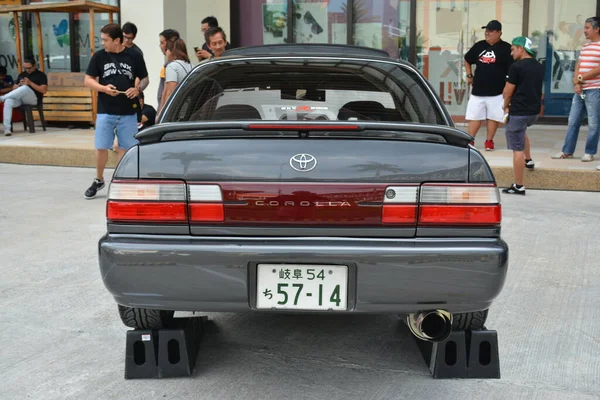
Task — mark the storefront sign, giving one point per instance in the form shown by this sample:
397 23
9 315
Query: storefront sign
446 75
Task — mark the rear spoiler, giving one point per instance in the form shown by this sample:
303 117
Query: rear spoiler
258 128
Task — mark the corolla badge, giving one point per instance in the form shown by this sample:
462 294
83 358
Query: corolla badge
303 162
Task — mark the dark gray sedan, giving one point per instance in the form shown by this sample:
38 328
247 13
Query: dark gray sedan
305 178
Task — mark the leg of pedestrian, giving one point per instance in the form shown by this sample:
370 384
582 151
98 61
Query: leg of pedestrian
473 128
126 131
592 102
492 127
475 115
103 141
575 116
529 164
495 114
516 139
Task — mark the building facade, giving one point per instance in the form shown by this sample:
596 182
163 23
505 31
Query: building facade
434 35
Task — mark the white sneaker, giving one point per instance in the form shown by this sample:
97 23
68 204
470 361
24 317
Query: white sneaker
587 158
7 133
561 156
598 167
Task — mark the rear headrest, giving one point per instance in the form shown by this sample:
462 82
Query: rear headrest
362 110
236 112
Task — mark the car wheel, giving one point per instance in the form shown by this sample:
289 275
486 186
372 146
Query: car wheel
469 321
142 318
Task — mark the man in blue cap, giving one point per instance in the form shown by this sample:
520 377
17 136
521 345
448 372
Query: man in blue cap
522 103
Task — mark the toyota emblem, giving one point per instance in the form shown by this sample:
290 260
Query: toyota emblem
303 162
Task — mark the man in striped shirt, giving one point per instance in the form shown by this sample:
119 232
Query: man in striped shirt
586 99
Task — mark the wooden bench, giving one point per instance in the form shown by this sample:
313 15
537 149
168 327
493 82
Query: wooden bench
67 100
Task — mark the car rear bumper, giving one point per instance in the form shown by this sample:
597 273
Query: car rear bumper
385 275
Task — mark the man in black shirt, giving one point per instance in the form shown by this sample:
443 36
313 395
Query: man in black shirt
206 52
492 59
216 41
31 86
129 35
112 72
522 104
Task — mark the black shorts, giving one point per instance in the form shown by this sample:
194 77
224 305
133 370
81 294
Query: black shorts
515 130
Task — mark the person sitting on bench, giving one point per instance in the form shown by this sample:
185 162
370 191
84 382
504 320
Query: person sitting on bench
31 86
6 81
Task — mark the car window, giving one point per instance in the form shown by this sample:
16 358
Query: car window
304 90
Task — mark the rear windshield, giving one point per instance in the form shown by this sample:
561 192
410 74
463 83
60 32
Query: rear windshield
304 90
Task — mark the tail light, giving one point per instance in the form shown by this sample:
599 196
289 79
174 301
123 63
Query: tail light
163 202
459 205
152 201
400 205
206 203
442 205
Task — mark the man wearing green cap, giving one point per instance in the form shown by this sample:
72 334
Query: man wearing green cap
522 103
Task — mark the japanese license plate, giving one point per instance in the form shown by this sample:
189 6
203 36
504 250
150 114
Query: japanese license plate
302 287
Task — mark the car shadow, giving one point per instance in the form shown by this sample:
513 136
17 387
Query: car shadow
290 341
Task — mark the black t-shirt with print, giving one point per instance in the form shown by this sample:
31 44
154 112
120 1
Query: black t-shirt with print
131 65
528 76
492 63
37 77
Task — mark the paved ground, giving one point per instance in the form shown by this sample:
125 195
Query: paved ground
60 336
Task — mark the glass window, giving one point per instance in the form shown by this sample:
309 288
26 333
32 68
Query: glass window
382 25
316 21
56 39
263 22
304 90
446 30
56 36
8 53
83 39
556 28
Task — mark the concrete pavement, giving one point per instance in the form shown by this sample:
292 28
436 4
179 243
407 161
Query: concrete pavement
75 148
61 337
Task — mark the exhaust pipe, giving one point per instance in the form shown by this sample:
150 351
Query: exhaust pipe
431 326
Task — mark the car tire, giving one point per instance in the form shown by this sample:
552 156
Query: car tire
142 318
469 321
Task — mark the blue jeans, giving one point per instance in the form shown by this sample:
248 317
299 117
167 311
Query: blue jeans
125 126
579 107
18 97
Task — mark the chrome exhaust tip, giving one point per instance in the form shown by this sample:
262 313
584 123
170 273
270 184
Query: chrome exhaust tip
431 326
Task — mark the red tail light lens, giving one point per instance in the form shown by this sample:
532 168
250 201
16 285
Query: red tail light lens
203 212
206 203
399 214
460 215
455 204
147 212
